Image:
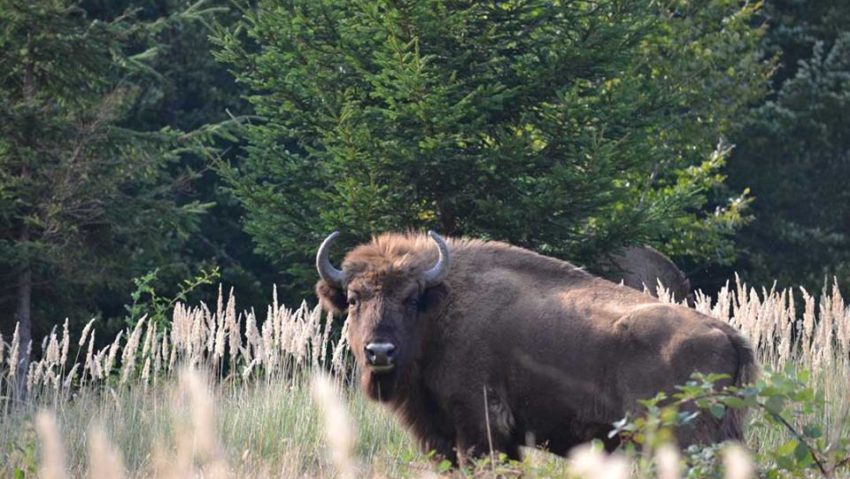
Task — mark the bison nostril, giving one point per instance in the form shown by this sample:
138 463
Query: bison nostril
380 354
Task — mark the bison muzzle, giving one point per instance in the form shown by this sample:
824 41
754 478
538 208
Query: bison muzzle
476 343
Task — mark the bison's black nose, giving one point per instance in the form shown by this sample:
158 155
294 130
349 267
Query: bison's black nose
380 355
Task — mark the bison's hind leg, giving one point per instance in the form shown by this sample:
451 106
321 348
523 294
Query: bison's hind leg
706 429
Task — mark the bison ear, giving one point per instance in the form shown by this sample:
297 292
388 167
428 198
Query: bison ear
433 298
332 299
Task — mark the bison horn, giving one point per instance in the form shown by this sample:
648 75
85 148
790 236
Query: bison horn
439 271
327 272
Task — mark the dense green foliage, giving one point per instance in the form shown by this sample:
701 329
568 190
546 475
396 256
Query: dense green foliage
570 128
779 400
104 156
190 91
87 200
794 150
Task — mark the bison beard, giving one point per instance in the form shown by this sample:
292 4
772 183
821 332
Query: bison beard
481 343
378 386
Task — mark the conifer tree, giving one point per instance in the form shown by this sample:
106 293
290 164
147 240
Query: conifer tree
794 151
567 127
83 196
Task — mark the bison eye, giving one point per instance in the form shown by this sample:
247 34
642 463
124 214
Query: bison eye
412 300
353 301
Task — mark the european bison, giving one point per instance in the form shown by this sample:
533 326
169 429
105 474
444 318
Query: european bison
639 266
476 343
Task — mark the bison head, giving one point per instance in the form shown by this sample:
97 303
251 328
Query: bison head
388 287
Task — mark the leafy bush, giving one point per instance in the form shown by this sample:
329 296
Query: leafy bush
780 400
148 303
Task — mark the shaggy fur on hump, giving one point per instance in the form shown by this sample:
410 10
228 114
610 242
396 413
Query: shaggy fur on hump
396 255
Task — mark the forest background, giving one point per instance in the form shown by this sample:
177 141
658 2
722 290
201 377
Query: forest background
150 149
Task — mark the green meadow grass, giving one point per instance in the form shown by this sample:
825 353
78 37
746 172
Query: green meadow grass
260 418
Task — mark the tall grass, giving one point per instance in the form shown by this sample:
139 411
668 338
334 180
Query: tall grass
223 394
811 334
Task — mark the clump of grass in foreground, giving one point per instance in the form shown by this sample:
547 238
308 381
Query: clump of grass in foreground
254 391
258 430
196 436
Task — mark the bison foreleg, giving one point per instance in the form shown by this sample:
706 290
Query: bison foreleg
478 436
432 439
440 448
475 447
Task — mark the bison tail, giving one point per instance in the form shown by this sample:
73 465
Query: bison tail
731 426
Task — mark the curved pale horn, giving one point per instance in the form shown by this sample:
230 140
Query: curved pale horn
327 272
439 271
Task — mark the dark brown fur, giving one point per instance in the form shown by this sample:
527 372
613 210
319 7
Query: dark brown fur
556 354
643 266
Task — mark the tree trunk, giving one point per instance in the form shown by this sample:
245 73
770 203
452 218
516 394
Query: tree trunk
447 218
24 318
23 313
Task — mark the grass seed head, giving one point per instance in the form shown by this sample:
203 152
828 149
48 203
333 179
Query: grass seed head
104 461
337 427
589 462
737 463
668 462
52 453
